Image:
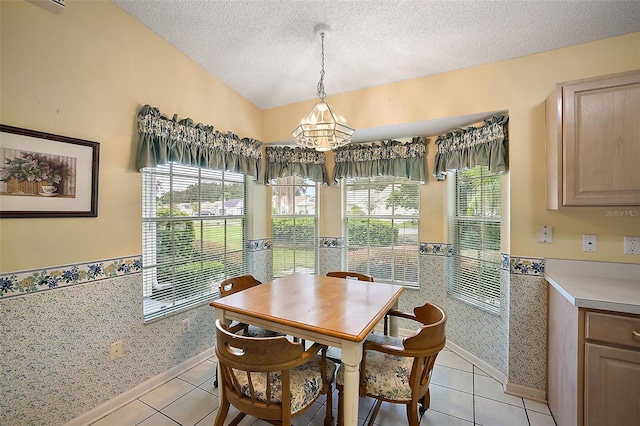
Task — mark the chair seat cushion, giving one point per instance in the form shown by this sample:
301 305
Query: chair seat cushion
306 384
387 375
381 339
261 332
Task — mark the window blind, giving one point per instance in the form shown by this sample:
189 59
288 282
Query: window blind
294 204
475 227
193 235
382 222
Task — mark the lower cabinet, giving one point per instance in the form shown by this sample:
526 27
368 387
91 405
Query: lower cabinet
612 386
593 365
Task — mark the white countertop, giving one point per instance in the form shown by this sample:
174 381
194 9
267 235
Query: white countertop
596 285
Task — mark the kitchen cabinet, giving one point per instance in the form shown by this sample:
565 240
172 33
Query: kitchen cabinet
593 361
612 369
565 362
593 142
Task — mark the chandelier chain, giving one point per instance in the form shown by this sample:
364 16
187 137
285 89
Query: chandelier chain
321 93
323 128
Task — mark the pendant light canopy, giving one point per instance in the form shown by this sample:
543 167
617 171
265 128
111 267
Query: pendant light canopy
323 128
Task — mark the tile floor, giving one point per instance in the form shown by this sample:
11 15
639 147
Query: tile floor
461 394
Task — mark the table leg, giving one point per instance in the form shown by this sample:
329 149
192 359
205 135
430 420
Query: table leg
351 357
393 322
219 314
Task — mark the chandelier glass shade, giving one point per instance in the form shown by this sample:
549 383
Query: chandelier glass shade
323 128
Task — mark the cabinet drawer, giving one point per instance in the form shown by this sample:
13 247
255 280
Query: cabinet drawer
616 329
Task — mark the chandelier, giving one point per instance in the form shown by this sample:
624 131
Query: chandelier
323 128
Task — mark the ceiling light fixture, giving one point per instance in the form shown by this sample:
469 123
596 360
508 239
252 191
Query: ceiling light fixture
323 128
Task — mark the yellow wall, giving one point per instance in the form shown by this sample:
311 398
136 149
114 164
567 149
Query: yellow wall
519 86
85 73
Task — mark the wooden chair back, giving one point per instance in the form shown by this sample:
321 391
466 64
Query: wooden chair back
252 357
423 346
347 274
236 284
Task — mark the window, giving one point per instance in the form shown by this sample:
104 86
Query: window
382 219
294 205
193 235
475 231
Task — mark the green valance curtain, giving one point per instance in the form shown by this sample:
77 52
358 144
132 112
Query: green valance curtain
285 161
474 146
163 140
384 158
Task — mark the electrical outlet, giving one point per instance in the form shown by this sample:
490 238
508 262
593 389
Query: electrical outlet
116 350
631 245
589 243
545 234
186 325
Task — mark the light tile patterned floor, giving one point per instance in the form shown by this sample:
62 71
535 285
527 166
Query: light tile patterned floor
461 395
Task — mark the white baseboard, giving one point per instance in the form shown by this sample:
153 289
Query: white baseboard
510 388
526 392
490 370
126 397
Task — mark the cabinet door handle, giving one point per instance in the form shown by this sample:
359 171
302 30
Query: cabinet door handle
635 333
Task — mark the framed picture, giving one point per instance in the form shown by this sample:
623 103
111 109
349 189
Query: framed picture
46 175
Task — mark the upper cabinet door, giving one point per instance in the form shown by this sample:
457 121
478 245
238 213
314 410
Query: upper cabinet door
593 142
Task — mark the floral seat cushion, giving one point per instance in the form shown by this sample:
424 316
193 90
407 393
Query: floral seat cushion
381 339
387 375
261 332
254 331
306 384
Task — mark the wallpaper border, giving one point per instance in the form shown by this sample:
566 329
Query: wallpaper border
436 249
13 284
331 242
20 283
527 266
259 245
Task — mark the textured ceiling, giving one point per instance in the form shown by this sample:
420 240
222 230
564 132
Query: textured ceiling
266 50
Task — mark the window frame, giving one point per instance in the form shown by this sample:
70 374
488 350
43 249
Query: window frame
413 253
484 279
313 244
167 300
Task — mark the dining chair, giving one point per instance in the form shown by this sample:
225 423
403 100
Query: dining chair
233 285
271 378
399 370
347 274
359 277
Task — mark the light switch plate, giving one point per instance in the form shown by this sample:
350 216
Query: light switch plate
545 234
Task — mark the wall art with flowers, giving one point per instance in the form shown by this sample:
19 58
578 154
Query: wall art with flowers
37 174
46 175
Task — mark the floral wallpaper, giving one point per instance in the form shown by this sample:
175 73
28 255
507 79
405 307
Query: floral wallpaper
330 254
260 259
71 327
56 365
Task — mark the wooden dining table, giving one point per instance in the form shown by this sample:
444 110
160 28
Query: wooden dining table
333 311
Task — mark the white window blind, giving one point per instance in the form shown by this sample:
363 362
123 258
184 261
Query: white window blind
294 208
382 221
193 235
475 230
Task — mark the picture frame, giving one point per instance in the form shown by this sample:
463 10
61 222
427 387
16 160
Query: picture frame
43 175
